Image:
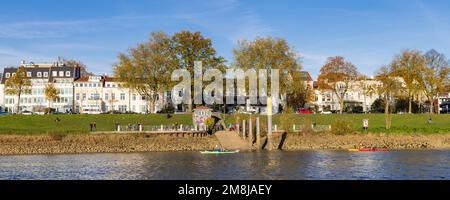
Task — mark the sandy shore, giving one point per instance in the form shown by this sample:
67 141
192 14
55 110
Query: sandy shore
102 143
127 143
395 142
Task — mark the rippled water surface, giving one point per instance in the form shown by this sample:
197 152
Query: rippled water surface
264 165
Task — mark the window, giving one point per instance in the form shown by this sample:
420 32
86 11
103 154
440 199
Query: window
54 73
84 96
122 96
106 97
61 73
39 74
45 74
28 74
134 97
7 75
78 97
113 96
122 108
68 73
13 74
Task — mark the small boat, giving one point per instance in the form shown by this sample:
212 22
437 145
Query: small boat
219 152
367 150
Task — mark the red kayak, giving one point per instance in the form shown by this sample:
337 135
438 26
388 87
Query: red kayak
368 149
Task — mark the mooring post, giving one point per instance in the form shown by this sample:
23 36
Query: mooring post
258 134
162 128
250 130
269 123
243 129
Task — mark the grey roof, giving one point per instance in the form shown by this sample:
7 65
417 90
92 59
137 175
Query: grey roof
74 72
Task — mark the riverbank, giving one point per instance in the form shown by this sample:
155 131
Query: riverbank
389 141
129 143
101 143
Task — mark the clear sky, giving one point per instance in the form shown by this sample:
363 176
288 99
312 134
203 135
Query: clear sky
367 32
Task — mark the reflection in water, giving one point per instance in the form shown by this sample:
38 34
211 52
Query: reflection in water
263 165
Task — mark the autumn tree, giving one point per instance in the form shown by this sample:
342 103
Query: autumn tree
388 87
51 94
435 76
147 68
18 84
409 65
337 76
273 53
299 92
76 63
190 47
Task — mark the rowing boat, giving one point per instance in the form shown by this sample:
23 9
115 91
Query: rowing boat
219 152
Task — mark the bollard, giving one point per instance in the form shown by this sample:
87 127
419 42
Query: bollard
250 131
118 128
181 127
243 129
162 128
140 128
276 128
293 127
258 134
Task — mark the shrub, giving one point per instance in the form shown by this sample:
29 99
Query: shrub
341 127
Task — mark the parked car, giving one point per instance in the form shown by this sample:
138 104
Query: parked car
27 113
326 113
304 111
4 113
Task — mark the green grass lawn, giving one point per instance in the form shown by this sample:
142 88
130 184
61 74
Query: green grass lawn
74 124
36 124
416 123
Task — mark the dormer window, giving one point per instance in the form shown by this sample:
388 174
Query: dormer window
39 74
45 74
54 73
68 73
28 74
61 73
7 75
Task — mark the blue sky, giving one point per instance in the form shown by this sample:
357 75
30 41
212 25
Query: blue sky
367 32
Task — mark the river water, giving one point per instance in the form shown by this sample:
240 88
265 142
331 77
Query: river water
264 165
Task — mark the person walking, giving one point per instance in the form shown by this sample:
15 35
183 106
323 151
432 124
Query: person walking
94 127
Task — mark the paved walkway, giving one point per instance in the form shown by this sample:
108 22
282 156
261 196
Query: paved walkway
230 140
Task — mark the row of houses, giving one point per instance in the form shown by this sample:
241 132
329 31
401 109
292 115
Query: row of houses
103 94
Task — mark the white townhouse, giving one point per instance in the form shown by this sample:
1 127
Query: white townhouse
357 95
40 75
103 94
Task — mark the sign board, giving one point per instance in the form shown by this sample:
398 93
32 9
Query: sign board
366 123
269 105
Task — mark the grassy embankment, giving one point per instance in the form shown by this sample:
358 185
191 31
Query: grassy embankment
79 124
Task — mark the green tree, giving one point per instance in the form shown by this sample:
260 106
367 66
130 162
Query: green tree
17 85
389 86
51 94
434 76
299 92
268 53
147 68
337 75
190 47
409 65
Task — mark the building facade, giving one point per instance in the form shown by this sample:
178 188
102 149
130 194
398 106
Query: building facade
40 75
356 96
102 94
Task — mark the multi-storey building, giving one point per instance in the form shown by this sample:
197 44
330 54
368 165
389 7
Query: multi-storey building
58 74
357 95
102 94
